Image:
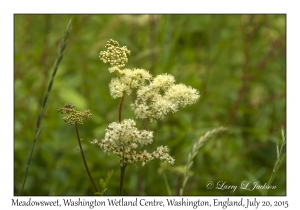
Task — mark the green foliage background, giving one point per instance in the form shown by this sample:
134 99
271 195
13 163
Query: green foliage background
237 62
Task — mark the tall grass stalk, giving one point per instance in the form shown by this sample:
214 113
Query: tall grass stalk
194 152
167 184
280 158
59 56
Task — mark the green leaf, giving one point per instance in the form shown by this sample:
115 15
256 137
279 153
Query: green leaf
103 191
108 176
102 183
282 134
277 150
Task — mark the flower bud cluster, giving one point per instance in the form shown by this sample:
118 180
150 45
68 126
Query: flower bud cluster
123 138
116 56
74 116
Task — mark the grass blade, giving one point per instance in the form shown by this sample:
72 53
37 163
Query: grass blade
59 57
280 158
167 184
194 152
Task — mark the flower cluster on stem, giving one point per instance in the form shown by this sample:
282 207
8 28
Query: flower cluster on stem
155 98
124 138
77 117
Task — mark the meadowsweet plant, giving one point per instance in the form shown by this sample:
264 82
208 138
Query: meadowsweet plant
155 98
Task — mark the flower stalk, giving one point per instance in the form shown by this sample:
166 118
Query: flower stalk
122 179
83 158
120 108
74 118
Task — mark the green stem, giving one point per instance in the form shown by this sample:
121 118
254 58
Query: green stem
280 158
120 108
122 178
274 172
83 158
144 124
123 165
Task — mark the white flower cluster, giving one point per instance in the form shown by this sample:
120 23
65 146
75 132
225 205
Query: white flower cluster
123 138
127 80
162 96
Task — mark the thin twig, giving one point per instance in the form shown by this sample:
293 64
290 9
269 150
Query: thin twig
59 56
144 124
83 158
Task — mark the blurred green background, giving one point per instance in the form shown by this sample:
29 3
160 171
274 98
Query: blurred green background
237 62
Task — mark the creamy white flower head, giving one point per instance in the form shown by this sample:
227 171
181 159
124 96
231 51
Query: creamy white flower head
127 80
145 93
124 138
117 88
162 81
125 134
162 96
162 152
134 77
182 94
161 106
141 110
